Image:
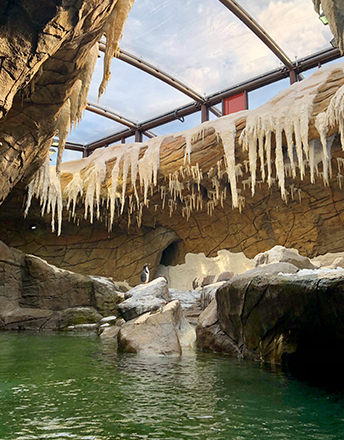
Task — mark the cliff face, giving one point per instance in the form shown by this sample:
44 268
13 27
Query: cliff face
311 221
43 47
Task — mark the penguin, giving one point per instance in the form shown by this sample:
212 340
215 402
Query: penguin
145 274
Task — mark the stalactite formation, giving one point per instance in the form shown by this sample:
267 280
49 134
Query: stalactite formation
274 145
114 31
74 107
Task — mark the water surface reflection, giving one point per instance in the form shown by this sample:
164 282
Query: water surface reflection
59 386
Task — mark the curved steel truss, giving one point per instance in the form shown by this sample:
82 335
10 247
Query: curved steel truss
199 102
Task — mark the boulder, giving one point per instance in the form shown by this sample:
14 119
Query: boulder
190 303
78 316
329 259
28 319
108 330
160 333
279 254
212 279
106 297
285 319
209 334
37 295
143 298
187 298
208 294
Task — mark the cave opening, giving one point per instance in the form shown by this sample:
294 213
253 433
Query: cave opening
170 254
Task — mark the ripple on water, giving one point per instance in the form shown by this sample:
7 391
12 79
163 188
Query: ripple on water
56 387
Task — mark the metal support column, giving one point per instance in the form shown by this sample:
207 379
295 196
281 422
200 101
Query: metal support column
293 76
138 136
204 113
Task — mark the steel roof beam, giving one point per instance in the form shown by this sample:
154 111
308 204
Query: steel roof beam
157 73
110 115
94 108
73 146
255 27
303 65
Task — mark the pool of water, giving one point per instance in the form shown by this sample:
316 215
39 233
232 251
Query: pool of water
76 387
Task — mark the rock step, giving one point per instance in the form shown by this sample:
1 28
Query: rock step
192 313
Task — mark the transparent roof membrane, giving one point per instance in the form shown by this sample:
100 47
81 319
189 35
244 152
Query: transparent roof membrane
204 45
293 24
93 127
199 42
135 94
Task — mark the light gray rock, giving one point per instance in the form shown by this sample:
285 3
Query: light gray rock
269 269
144 298
280 254
109 320
83 327
187 298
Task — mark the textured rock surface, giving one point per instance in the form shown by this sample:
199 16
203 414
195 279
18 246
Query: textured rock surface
312 225
44 44
143 298
36 295
279 254
157 333
209 334
278 319
59 38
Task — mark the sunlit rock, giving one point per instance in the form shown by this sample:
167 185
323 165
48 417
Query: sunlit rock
144 297
158 333
279 254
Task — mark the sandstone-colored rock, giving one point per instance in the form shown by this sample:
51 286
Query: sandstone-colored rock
212 279
157 333
329 260
109 333
279 254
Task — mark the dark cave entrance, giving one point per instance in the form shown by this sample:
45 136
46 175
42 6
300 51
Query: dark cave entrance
319 358
170 254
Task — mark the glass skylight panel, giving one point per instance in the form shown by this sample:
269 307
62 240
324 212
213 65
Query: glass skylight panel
190 121
293 24
93 127
200 42
135 94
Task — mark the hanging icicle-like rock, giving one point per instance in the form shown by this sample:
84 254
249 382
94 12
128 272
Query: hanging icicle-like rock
113 31
193 170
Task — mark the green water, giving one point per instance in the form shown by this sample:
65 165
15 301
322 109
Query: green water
75 387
